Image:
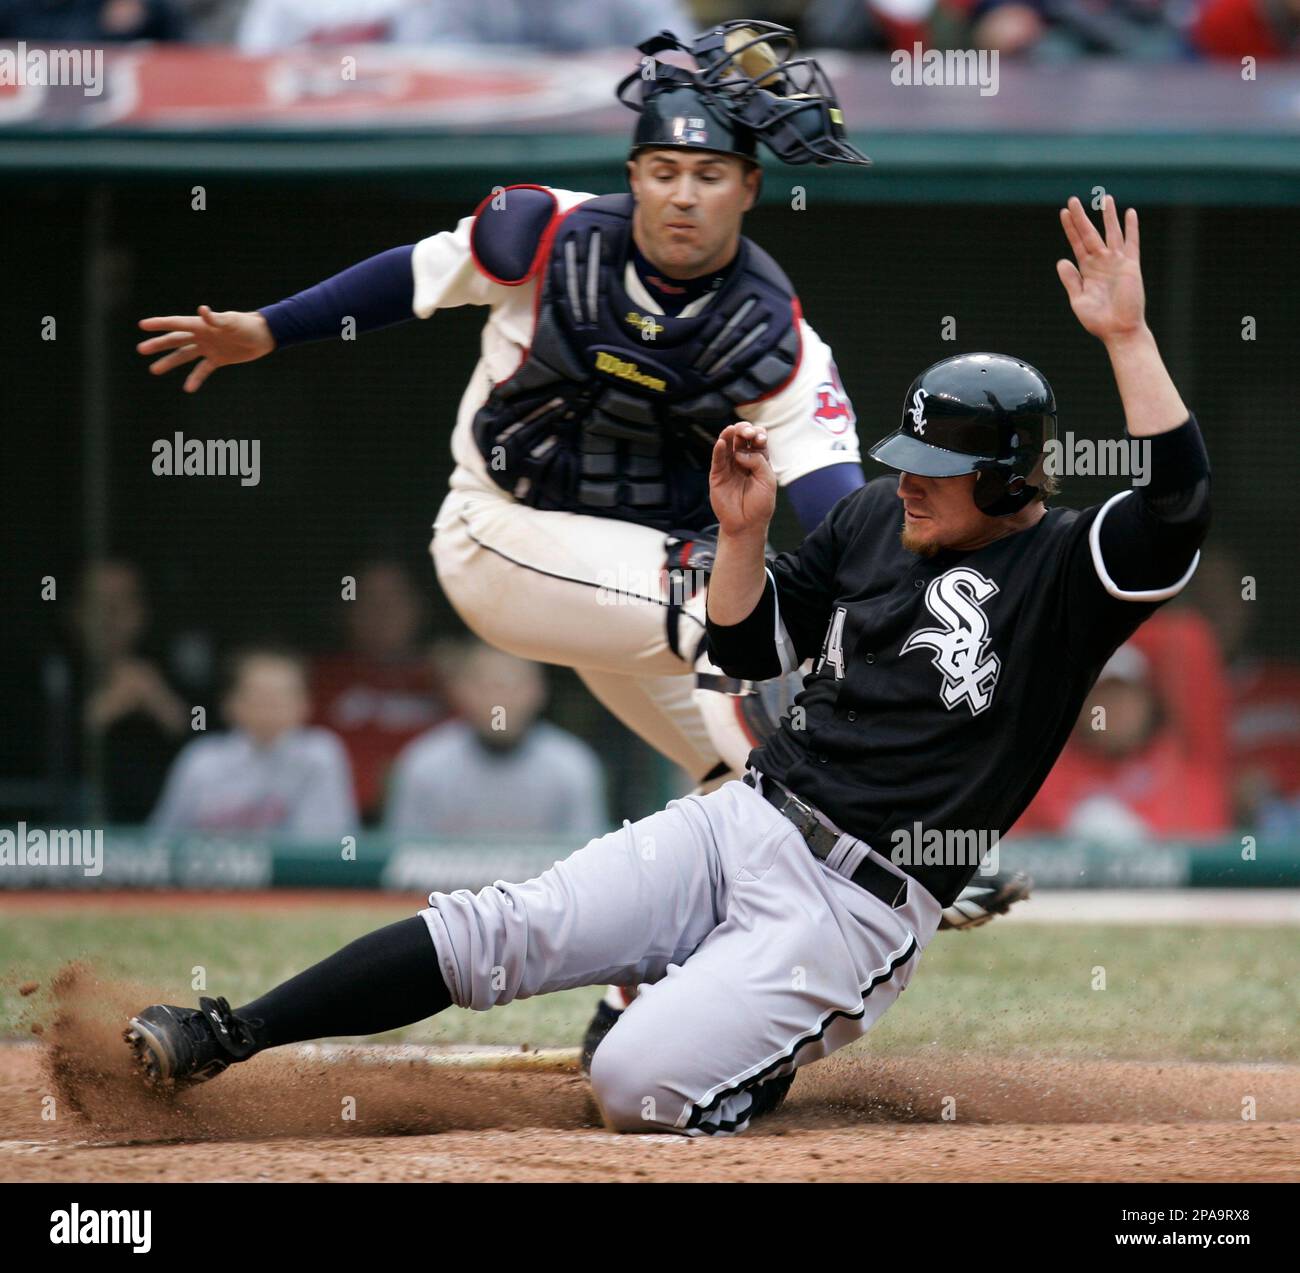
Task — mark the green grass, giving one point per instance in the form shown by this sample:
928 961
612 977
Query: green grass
1172 992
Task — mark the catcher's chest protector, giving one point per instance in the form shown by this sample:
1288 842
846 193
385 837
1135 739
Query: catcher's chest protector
614 412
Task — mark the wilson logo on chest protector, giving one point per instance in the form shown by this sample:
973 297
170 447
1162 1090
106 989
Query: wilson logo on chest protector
613 366
970 671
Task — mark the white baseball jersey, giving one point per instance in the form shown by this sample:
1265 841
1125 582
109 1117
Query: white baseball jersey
300 785
809 421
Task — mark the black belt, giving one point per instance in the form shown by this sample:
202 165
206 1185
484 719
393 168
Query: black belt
821 840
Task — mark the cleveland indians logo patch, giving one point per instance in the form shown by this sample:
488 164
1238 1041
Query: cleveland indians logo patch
833 410
961 653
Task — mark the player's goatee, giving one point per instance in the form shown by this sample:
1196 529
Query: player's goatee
921 547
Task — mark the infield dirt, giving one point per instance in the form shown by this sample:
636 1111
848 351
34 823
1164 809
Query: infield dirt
283 1116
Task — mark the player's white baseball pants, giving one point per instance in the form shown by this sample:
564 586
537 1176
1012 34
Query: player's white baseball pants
752 956
582 592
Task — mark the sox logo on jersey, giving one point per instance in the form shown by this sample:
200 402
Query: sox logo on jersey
970 672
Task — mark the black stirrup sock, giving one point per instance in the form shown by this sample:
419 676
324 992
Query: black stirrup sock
386 979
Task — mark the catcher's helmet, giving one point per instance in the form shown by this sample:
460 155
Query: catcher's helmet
679 115
747 85
977 413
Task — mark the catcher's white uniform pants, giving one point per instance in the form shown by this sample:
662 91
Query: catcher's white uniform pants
582 592
752 956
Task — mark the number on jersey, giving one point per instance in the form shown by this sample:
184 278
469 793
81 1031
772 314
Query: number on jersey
833 646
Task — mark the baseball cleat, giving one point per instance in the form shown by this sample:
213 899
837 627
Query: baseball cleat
180 1046
770 1096
984 898
604 1020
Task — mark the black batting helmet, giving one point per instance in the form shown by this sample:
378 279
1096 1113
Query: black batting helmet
989 414
747 85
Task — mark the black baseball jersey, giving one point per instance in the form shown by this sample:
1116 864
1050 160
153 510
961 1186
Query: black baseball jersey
944 688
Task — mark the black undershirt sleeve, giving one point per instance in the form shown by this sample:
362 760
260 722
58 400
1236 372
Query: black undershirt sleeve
1134 552
1148 539
748 649
789 621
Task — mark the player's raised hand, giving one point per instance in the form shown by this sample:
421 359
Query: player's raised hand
1104 283
742 485
219 339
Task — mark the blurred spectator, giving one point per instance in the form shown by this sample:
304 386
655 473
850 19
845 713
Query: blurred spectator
113 720
89 21
1042 30
1013 27
381 690
555 25
1264 713
882 24
268 26
270 772
499 769
559 26
211 21
1233 29
1058 30
1147 756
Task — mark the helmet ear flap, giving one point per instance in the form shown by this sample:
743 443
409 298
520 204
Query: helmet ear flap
999 492
990 489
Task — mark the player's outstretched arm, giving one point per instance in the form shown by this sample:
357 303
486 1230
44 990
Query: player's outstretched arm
742 489
216 339
1104 284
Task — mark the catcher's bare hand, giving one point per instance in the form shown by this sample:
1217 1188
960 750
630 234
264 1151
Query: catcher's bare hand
742 485
1105 284
219 339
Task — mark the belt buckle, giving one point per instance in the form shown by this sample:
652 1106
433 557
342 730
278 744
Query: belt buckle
805 810
807 823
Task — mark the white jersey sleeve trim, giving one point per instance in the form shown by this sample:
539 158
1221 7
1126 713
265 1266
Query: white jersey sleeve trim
1094 545
784 646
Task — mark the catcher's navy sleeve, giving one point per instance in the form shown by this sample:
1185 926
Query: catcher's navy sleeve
788 623
376 292
815 494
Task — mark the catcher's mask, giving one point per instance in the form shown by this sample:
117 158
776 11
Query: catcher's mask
747 86
989 414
